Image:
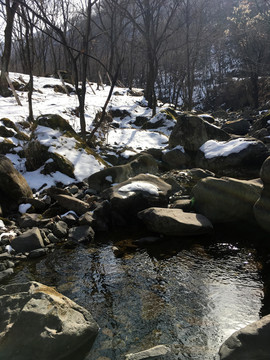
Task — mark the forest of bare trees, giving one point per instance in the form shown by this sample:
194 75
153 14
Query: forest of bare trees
184 52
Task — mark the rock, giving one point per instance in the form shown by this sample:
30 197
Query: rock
237 127
54 121
226 199
154 353
36 322
137 193
29 220
81 234
28 241
3 275
249 343
72 203
59 163
262 206
175 222
13 185
240 157
117 174
192 132
59 229
261 123
184 204
38 253
176 158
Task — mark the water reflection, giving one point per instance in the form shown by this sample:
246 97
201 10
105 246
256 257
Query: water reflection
191 297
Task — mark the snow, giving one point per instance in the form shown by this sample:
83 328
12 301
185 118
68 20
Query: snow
23 208
213 148
109 178
137 139
2 225
125 139
130 189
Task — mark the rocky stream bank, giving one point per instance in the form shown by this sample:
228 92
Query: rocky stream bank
183 191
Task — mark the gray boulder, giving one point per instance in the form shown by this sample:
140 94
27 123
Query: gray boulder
28 241
249 343
81 234
226 199
136 194
262 206
36 322
237 127
175 222
191 132
236 158
13 186
117 174
176 158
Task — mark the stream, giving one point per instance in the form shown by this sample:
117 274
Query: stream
190 294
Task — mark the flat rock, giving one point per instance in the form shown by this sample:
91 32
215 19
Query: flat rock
36 322
175 222
71 203
154 353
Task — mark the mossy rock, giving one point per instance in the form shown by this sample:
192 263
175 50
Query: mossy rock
22 136
6 146
36 155
9 124
61 89
59 163
55 122
4 132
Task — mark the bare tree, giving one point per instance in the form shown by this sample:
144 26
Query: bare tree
11 8
153 19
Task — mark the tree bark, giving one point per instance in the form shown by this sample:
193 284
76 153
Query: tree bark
11 8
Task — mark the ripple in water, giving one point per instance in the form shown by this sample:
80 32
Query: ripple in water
191 298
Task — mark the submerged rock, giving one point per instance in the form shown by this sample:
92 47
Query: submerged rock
175 222
36 322
154 353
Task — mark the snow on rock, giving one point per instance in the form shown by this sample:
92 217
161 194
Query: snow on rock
24 207
213 148
130 189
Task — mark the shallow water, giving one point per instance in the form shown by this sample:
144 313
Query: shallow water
190 295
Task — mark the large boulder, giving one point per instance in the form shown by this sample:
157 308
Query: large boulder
249 343
240 157
136 194
176 158
237 127
192 132
262 206
117 174
36 322
175 222
226 199
13 186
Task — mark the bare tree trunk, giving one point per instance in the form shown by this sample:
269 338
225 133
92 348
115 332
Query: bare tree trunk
11 8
